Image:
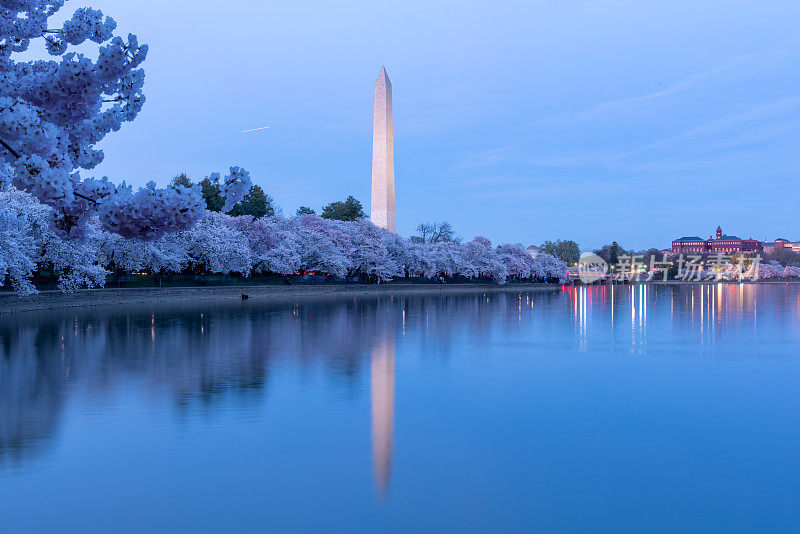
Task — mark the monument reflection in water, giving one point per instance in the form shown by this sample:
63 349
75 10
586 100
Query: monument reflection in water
666 404
382 396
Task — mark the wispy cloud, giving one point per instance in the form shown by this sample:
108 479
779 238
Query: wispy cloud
616 107
652 156
517 155
732 123
523 152
488 157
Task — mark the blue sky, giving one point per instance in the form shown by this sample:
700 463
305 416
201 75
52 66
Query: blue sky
521 121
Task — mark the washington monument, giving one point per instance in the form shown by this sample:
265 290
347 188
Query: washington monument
382 209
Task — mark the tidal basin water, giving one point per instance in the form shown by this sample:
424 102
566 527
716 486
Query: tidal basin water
637 409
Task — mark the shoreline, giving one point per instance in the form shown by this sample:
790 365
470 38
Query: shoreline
52 300
103 297
699 282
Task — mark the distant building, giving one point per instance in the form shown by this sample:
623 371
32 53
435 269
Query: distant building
533 251
752 245
721 244
689 244
781 244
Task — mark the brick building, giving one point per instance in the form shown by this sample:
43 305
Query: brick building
720 244
695 245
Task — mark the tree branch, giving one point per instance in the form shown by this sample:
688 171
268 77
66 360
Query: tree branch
84 197
8 147
16 155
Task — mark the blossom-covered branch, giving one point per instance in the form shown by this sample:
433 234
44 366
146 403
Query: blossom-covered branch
53 113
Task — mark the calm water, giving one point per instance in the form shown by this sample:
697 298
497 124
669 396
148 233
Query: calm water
661 409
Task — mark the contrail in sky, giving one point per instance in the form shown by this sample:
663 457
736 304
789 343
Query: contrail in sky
255 129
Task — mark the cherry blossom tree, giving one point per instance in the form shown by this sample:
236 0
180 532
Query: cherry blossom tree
166 254
19 239
370 255
215 244
79 263
770 269
333 229
479 253
244 245
547 267
279 247
54 112
420 260
27 239
321 246
516 260
451 258
791 272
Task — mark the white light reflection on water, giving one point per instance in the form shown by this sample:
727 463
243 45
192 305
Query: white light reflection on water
703 309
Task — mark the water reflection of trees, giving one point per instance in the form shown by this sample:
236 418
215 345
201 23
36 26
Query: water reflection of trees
199 355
